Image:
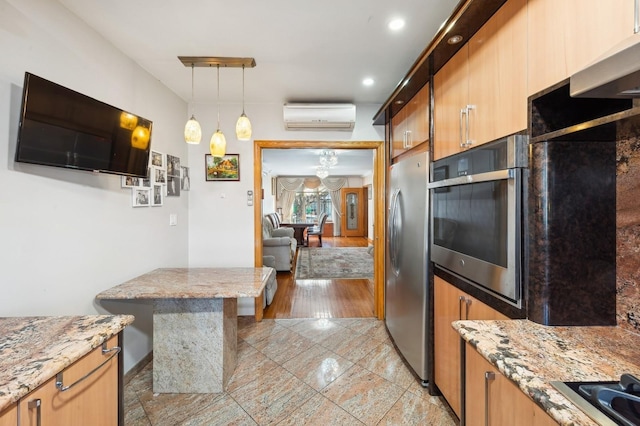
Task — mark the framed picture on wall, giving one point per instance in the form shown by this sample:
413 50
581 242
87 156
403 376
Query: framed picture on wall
140 197
222 168
157 196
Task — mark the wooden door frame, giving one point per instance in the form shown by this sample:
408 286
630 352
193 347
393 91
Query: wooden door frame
378 187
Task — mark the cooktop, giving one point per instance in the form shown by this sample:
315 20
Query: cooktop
608 403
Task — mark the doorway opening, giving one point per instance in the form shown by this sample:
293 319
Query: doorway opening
377 191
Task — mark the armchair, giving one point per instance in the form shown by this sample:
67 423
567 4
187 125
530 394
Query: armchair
278 243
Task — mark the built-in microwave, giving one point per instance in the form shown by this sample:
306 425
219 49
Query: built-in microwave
478 213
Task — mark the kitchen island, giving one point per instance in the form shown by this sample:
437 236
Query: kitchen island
532 356
194 322
33 350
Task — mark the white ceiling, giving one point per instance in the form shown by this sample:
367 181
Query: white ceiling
303 162
304 51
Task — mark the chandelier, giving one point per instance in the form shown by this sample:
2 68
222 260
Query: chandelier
328 158
322 172
192 132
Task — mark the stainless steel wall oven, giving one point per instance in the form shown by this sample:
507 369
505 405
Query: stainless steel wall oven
479 214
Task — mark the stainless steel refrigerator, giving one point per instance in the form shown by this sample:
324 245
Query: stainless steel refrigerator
406 277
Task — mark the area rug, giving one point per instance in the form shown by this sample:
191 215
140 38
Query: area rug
333 262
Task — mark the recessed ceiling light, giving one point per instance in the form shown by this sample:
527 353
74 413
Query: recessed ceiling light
368 81
396 24
455 39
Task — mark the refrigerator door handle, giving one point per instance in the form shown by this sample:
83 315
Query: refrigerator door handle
394 230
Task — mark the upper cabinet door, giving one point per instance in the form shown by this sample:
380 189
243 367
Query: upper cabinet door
565 36
498 75
451 93
410 126
480 94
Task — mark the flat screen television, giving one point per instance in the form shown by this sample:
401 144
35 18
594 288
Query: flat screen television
63 128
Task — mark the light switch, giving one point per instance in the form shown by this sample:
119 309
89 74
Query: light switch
173 219
249 198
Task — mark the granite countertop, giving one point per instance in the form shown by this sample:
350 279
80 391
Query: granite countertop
35 349
193 283
532 355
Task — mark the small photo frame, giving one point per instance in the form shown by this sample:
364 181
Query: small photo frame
173 165
225 168
140 197
129 182
157 196
159 175
157 159
185 179
173 186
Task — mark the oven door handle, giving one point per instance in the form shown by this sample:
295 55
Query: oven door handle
505 174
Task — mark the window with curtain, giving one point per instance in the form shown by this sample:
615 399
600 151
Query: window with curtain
309 203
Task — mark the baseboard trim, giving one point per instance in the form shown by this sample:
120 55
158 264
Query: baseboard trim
138 367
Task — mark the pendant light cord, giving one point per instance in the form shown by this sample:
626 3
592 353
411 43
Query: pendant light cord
243 89
218 100
192 107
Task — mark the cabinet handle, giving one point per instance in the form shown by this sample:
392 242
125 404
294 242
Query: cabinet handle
463 111
59 379
36 403
460 300
408 139
467 303
488 377
468 142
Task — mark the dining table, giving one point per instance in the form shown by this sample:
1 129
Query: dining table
298 230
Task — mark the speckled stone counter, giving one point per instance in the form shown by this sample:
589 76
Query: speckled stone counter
532 355
194 322
35 349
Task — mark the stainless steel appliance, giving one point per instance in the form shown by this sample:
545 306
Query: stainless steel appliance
406 295
608 403
478 203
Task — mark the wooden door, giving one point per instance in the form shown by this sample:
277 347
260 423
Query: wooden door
565 36
498 75
507 404
451 94
353 208
93 401
447 308
9 417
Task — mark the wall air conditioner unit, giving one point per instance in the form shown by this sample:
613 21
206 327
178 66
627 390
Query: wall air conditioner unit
319 116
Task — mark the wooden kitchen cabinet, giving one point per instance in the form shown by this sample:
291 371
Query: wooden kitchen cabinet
452 304
410 126
566 36
9 416
90 401
480 93
492 399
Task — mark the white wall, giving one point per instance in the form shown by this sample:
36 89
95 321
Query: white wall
67 235
221 223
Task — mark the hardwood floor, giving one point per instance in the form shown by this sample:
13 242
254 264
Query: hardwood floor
332 298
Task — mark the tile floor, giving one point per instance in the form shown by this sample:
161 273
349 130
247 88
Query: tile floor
300 371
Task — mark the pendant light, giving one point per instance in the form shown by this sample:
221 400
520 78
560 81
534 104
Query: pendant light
243 125
192 130
218 143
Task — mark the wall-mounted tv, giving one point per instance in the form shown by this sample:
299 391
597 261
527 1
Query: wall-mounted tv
63 128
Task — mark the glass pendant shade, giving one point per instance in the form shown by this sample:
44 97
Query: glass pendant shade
243 128
192 131
218 144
